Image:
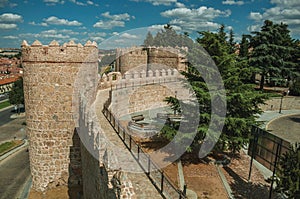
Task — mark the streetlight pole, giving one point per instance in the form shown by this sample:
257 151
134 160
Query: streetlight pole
175 99
283 94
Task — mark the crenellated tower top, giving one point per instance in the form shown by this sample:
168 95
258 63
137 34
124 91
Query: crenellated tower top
54 52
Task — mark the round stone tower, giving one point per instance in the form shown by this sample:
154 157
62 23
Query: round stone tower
49 75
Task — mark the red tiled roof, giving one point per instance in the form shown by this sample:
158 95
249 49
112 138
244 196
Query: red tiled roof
8 80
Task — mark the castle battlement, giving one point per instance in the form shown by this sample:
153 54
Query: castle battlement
139 50
133 57
137 78
54 52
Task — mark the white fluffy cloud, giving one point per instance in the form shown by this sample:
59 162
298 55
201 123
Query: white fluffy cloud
47 34
158 27
128 36
10 18
79 3
233 2
286 11
119 17
38 24
108 24
112 21
195 19
54 2
253 28
56 21
8 26
10 37
158 2
256 16
97 36
179 5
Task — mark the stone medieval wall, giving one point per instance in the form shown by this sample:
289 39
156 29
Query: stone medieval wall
128 59
134 92
49 76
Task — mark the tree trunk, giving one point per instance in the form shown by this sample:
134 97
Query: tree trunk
262 81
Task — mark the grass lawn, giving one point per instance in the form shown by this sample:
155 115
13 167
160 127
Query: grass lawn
4 104
6 146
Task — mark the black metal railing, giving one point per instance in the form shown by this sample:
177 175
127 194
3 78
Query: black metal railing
157 177
267 149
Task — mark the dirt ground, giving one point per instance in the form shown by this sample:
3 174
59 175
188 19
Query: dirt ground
237 176
203 178
199 177
61 192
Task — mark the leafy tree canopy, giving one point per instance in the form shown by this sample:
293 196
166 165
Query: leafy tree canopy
273 52
16 95
241 98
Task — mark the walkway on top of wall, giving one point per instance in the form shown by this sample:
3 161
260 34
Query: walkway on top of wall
143 188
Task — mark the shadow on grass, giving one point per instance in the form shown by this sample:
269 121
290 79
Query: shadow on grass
242 189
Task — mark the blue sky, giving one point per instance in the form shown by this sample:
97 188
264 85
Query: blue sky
97 20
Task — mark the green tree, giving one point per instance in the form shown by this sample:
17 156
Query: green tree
16 95
231 41
294 84
242 99
149 39
107 60
168 37
272 52
288 174
244 46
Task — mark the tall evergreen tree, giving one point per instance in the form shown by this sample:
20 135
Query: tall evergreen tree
272 51
242 100
244 46
231 41
149 39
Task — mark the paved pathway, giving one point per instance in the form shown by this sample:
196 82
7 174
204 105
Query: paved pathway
141 183
5 114
267 116
14 128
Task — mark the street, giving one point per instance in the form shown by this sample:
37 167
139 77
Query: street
5 116
14 171
15 128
